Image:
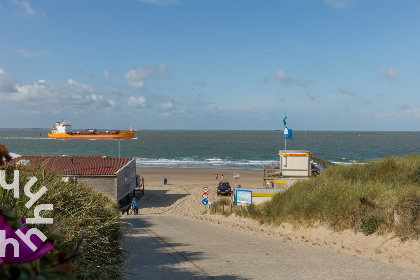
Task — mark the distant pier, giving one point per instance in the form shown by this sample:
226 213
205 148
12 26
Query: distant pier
323 163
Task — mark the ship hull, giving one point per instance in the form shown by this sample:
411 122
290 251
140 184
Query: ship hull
96 136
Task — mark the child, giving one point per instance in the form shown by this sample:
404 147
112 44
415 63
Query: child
135 205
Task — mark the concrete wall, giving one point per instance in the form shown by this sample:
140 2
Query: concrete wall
262 195
126 180
259 200
104 184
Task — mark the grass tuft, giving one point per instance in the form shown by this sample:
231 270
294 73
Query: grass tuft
381 196
77 208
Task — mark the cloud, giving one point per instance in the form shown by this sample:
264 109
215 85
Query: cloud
52 94
162 3
28 54
403 106
407 114
339 4
346 91
199 83
166 106
166 109
315 98
134 83
389 74
107 75
283 78
136 78
88 74
112 103
27 9
7 83
112 90
137 101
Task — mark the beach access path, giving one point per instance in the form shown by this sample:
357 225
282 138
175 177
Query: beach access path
173 238
174 247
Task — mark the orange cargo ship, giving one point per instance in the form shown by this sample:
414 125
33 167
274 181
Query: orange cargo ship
63 130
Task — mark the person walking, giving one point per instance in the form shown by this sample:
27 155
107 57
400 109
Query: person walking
135 205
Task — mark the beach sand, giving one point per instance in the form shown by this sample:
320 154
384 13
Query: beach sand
200 176
183 195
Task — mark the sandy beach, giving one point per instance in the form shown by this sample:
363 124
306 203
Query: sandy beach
200 176
182 196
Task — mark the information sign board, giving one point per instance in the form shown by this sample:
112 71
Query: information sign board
243 197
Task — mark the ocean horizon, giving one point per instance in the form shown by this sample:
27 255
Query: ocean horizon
224 149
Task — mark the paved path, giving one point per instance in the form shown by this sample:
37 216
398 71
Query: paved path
173 247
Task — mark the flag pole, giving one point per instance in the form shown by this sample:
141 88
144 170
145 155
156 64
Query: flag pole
285 141
285 152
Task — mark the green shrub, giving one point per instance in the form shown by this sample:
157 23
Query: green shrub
369 225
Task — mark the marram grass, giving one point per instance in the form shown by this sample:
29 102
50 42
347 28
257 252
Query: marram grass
77 208
381 196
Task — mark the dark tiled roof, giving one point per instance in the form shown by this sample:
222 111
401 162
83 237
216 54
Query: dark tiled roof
76 165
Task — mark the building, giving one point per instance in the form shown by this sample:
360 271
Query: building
294 165
113 176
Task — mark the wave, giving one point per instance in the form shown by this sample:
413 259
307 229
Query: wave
14 155
204 163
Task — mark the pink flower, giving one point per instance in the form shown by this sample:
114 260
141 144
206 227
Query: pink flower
26 254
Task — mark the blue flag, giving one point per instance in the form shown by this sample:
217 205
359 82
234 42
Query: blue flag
287 133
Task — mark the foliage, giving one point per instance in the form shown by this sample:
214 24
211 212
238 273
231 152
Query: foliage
369 225
222 206
48 261
379 196
77 208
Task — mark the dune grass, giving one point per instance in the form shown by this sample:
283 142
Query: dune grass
380 196
77 208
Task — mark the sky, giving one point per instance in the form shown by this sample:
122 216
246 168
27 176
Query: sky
347 65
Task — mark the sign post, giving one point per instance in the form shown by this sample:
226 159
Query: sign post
205 197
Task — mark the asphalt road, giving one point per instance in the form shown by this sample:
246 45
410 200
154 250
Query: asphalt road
173 247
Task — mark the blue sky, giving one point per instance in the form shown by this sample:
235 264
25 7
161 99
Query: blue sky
175 64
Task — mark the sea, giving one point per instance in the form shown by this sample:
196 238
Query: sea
237 149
